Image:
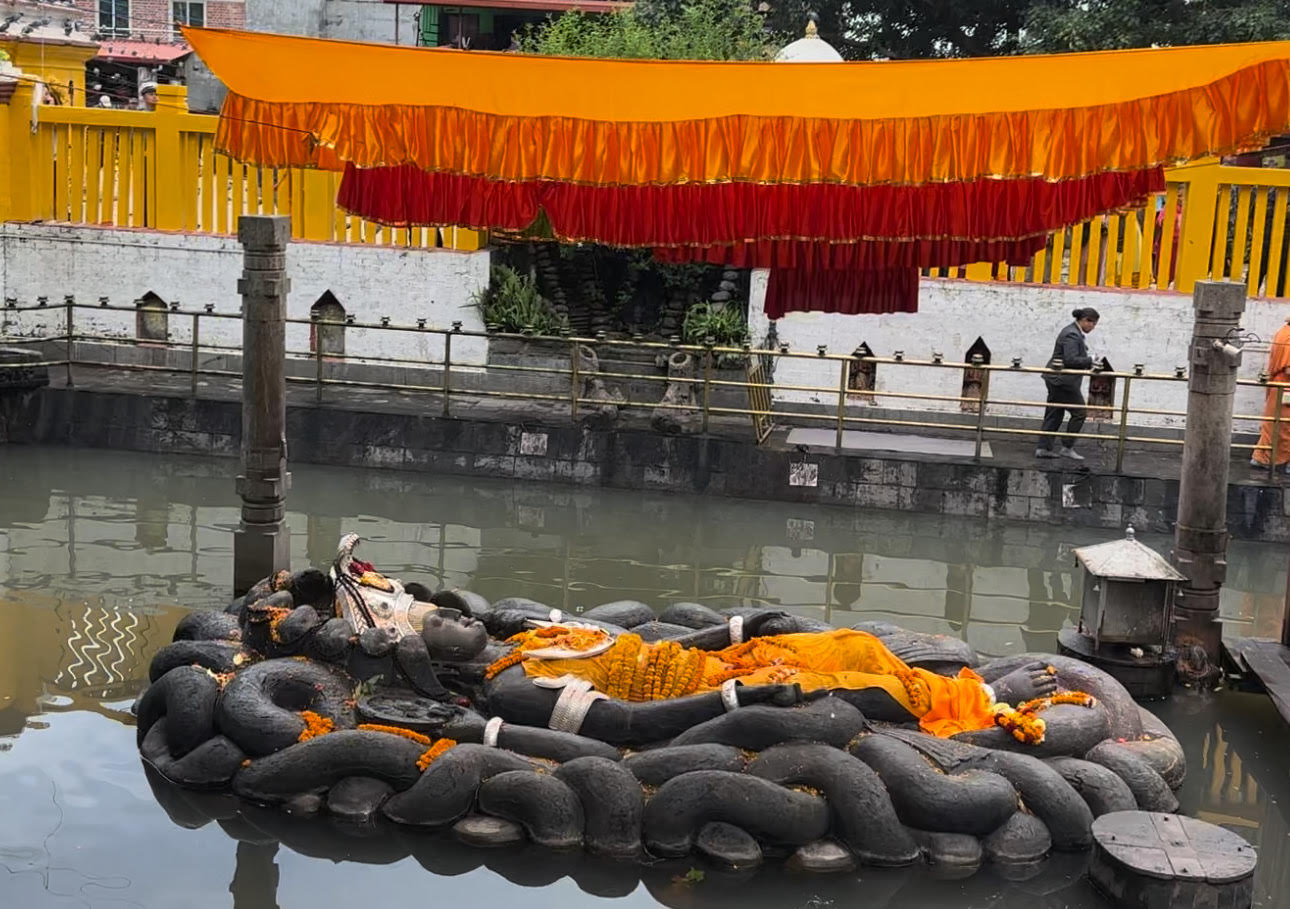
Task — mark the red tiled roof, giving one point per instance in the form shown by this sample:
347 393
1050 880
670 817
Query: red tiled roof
142 51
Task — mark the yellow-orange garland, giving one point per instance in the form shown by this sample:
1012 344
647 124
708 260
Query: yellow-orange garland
396 730
1024 723
315 725
433 753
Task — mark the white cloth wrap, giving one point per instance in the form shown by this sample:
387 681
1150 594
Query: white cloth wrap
729 696
556 616
571 707
736 625
492 729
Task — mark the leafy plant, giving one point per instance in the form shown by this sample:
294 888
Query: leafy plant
723 327
726 327
512 303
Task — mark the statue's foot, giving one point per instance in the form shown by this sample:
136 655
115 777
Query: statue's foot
1033 680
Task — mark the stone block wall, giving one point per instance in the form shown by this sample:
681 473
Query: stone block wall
629 458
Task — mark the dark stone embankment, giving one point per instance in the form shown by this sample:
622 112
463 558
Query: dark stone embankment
389 430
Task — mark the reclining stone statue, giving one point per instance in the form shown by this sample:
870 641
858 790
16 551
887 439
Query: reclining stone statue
638 734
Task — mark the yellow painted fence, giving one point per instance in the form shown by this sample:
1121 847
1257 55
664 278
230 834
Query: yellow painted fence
1226 223
159 170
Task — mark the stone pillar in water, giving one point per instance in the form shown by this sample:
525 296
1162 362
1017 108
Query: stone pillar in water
261 543
1200 536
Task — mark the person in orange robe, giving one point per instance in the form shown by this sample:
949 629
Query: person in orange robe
1278 371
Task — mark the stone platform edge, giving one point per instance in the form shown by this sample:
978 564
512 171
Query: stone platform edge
619 457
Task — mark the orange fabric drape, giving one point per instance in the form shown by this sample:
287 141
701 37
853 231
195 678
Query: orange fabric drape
1278 371
616 122
843 658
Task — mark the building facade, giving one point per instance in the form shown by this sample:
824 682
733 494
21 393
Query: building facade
159 20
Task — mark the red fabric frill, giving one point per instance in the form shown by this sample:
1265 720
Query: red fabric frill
867 255
836 290
719 213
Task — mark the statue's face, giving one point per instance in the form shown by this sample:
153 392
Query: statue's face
453 638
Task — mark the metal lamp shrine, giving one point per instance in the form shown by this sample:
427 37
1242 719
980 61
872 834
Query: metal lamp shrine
1126 615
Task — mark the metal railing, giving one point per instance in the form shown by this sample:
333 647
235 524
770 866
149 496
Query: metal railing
451 380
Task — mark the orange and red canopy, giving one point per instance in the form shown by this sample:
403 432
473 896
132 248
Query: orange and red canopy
917 162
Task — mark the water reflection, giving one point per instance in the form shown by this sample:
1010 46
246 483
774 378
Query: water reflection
101 553
259 833
57 654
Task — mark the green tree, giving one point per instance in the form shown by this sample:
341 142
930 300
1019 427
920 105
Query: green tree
699 30
903 30
1080 25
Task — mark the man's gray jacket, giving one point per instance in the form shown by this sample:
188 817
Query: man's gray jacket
1073 352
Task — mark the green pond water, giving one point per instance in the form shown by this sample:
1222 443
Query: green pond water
102 552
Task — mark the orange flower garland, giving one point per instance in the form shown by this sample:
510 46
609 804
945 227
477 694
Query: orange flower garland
623 661
1024 723
281 581
1024 727
915 690
433 753
1078 698
506 662
396 730
315 725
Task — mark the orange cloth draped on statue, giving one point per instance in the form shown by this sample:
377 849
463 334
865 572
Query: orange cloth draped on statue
1278 371
840 659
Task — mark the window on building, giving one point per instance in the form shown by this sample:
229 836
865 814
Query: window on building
459 29
114 18
188 12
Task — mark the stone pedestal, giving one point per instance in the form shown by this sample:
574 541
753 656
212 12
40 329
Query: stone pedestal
261 545
1146 860
678 411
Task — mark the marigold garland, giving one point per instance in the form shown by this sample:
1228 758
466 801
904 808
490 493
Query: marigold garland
433 753
281 581
506 662
1078 698
315 725
915 689
1024 727
396 730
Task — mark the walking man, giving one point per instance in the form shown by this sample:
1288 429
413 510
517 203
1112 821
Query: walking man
1064 396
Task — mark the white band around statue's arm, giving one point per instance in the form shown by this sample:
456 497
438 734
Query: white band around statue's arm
492 729
729 696
572 706
736 625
